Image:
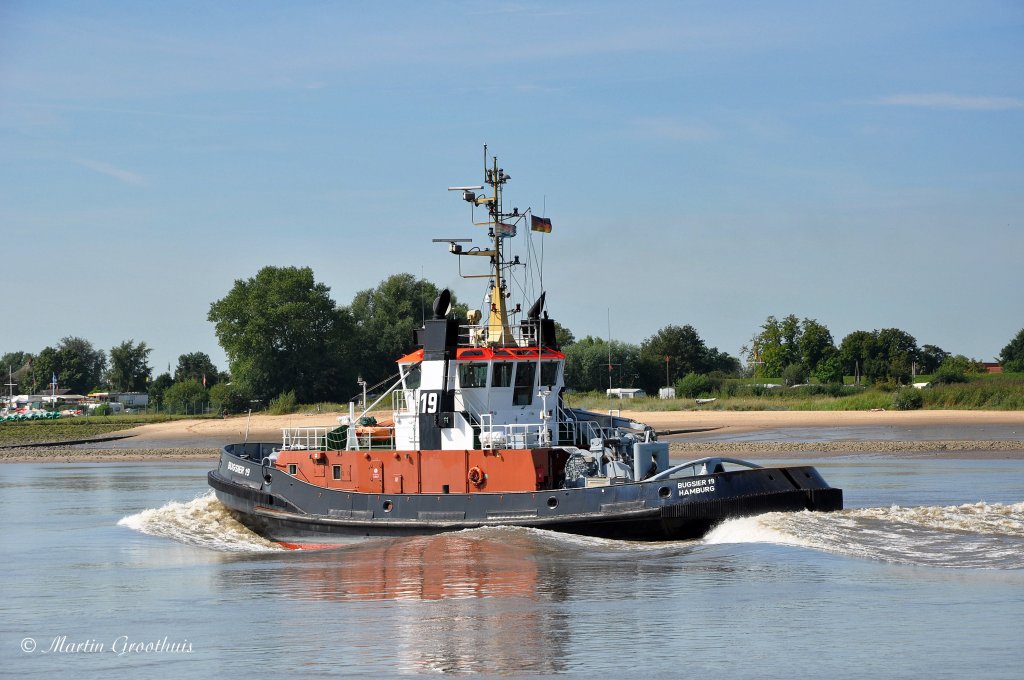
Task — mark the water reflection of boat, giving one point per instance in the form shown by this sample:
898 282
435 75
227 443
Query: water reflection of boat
474 587
480 437
418 568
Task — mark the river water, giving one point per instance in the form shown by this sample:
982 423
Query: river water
135 570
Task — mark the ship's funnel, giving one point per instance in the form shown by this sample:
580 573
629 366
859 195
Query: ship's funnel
443 304
537 307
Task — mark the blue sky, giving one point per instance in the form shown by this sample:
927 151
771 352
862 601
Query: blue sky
706 163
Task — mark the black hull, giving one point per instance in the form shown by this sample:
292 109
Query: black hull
285 509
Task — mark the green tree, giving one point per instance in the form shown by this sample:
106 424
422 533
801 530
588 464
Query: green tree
1012 356
789 342
815 345
684 348
960 363
563 336
855 350
587 364
185 397
15 367
888 354
196 366
794 374
383 320
129 367
229 398
281 331
775 347
76 364
687 353
157 387
722 362
898 353
830 370
953 370
697 385
930 358
13 361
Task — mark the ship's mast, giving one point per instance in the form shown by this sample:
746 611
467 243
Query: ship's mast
498 330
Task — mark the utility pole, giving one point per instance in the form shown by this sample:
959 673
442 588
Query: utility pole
610 348
10 384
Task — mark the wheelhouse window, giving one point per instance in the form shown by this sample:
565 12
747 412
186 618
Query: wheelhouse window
523 393
411 375
548 373
502 374
472 375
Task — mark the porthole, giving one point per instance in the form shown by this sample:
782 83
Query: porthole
388 506
664 492
552 502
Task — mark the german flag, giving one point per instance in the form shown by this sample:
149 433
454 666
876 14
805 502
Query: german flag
540 224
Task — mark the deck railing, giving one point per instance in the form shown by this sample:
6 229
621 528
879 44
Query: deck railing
579 431
479 335
318 439
303 438
492 436
510 435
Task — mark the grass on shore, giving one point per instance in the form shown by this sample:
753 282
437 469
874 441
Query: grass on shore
72 429
982 393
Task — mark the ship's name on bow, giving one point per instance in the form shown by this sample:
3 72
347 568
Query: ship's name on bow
693 486
238 469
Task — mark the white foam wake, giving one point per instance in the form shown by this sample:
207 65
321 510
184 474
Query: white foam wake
977 535
203 522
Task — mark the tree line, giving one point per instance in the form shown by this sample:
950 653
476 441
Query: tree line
283 334
76 365
797 350
662 359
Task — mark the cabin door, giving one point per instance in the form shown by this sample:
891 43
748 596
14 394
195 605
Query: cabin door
376 477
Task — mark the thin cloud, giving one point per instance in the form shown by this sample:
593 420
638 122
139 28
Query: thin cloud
672 129
120 174
954 102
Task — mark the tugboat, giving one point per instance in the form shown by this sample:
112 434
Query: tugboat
480 436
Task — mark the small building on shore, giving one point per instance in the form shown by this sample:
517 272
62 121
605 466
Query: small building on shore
626 392
128 399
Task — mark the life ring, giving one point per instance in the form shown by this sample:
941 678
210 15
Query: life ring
476 476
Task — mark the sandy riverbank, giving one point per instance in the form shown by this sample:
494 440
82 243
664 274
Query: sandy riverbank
70 454
201 439
750 421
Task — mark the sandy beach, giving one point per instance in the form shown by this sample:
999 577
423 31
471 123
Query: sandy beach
201 439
